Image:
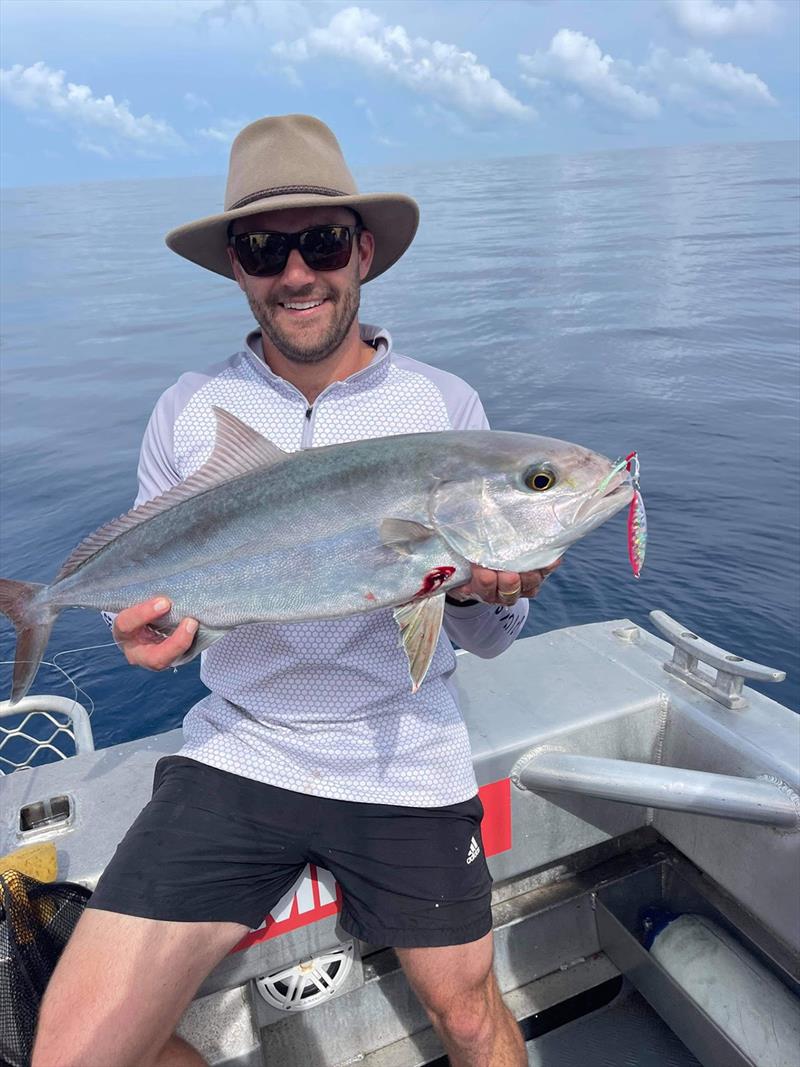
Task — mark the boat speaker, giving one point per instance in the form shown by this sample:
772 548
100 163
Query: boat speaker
304 985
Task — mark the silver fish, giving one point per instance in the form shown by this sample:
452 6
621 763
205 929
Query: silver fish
261 535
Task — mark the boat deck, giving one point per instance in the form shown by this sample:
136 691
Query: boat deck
625 1033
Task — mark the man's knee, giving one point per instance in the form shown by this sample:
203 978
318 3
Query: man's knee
467 1017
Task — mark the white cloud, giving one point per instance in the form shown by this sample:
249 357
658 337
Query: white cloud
700 69
575 63
98 149
194 102
707 18
39 89
377 132
703 86
434 116
431 68
291 76
697 83
224 130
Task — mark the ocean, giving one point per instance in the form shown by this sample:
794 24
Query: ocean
642 300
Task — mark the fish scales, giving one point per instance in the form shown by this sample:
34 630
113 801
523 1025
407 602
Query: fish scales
259 535
284 543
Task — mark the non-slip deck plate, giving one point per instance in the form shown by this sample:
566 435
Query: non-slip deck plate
626 1033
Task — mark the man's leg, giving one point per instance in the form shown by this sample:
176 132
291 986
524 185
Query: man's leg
120 988
458 989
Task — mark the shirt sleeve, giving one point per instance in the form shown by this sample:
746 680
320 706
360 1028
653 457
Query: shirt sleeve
486 630
157 472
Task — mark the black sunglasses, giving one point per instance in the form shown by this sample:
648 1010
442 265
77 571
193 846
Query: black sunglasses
264 253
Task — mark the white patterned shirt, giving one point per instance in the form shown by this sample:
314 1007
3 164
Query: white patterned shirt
326 707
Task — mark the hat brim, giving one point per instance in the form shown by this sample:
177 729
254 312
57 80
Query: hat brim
391 217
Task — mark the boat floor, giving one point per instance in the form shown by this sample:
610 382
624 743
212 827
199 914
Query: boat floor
625 1033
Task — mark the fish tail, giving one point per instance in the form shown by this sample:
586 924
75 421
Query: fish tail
33 626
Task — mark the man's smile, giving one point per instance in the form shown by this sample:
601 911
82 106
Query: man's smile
302 309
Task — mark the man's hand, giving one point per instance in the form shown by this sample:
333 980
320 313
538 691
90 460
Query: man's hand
504 587
141 645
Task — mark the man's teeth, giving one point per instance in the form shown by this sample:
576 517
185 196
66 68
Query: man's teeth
303 307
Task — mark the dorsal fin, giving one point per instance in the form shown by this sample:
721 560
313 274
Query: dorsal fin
238 450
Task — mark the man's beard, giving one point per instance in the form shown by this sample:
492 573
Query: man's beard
345 308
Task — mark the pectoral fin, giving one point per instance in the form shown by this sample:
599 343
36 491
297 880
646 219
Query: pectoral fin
420 623
204 638
403 534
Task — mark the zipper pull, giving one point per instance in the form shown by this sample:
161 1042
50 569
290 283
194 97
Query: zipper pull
309 411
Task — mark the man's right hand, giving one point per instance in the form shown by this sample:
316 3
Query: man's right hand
142 646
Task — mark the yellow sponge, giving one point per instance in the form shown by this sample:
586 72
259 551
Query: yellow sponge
37 861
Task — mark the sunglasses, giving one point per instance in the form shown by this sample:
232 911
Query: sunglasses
264 253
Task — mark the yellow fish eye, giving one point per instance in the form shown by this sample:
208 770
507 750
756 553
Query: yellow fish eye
540 479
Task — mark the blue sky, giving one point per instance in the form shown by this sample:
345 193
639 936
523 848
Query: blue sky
109 89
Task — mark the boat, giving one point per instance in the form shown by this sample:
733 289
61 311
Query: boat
642 826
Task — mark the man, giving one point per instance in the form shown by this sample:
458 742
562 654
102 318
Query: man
310 747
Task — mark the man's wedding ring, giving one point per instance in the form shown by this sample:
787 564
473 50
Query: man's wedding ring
510 595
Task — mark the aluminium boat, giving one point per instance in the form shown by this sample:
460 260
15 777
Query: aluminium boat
642 827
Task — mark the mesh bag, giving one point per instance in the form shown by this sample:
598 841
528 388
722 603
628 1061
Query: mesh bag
36 920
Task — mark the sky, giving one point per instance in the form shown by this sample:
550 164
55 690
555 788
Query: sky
93 90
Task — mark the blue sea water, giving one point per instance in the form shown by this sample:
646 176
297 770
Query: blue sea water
631 300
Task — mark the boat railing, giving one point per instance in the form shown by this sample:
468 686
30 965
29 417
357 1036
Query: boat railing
42 728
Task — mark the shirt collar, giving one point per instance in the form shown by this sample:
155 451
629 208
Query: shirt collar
374 335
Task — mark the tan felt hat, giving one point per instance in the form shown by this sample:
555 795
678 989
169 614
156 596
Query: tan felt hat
294 161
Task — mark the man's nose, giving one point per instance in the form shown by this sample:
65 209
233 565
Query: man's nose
297 272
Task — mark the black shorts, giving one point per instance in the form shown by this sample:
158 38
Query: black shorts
215 847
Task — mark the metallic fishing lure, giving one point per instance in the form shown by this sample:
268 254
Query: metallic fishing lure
637 517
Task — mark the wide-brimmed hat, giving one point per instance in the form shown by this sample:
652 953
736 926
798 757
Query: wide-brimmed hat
294 161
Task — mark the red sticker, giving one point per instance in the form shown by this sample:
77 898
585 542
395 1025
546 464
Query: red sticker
496 825
315 895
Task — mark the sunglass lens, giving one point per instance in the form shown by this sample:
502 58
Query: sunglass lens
262 254
326 247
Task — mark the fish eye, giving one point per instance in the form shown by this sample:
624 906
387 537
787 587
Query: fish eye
540 479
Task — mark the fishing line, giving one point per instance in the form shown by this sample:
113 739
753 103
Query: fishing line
52 663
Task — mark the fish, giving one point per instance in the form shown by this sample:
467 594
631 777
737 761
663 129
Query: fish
260 535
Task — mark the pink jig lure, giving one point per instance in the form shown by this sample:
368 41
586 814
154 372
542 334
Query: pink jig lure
637 518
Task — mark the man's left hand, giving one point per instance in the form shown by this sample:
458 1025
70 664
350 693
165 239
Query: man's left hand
504 587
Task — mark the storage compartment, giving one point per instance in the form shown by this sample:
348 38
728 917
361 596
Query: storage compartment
628 913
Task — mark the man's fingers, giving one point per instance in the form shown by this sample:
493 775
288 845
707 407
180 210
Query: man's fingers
132 619
532 580
143 647
509 587
506 587
156 656
161 654
483 583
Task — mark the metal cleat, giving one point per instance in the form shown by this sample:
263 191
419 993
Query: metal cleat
690 650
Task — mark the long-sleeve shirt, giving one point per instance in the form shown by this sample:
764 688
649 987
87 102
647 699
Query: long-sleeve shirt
326 707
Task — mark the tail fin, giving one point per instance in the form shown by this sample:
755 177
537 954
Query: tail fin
33 628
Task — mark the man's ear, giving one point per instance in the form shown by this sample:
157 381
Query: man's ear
366 253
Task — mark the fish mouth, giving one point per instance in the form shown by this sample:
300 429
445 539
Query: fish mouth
611 497
608 500
607 504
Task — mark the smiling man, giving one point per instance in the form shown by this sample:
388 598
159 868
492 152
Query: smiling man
310 746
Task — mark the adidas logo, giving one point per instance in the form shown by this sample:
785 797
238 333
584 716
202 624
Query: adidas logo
474 851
